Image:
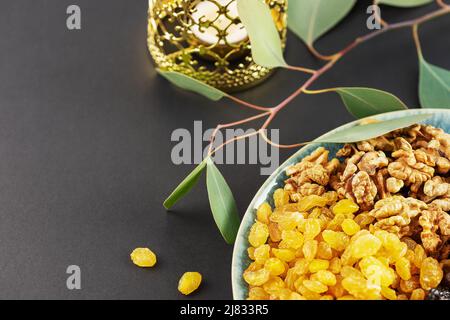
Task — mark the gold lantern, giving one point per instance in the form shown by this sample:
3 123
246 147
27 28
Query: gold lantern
206 40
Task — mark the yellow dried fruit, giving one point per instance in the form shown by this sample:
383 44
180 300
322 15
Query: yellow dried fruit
350 227
326 277
408 286
251 253
388 293
345 206
274 232
318 264
335 265
350 272
359 288
310 249
307 203
291 239
418 294
364 219
403 268
336 240
275 266
263 213
419 255
280 198
315 286
189 282
301 266
324 251
257 277
430 273
366 245
259 232
312 228
262 253
257 293
308 294
143 257
286 255
373 268
274 286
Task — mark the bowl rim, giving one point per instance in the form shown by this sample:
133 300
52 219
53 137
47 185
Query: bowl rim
238 246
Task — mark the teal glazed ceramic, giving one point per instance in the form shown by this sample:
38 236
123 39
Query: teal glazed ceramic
440 118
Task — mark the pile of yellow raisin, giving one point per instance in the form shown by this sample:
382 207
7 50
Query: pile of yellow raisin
317 249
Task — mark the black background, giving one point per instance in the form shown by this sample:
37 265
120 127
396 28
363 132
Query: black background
85 127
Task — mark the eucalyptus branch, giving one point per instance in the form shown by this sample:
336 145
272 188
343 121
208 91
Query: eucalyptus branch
442 4
304 88
247 104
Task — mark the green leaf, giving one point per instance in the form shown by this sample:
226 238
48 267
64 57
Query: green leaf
372 130
365 102
404 3
310 19
185 186
264 38
191 84
434 86
222 203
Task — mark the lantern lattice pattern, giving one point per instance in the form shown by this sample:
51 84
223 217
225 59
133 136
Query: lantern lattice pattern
222 61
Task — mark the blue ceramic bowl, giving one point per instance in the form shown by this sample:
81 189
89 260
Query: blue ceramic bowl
440 118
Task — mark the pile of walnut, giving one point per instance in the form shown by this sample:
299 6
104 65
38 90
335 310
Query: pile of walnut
401 179
372 223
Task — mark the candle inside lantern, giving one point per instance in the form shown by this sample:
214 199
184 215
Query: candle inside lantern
206 11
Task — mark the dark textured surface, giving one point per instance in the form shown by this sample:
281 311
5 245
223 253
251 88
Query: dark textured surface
85 145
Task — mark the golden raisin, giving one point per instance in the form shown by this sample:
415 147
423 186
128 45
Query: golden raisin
143 257
318 264
419 255
257 293
335 265
403 268
280 197
291 239
189 282
257 277
430 273
263 213
388 293
286 255
336 240
326 277
274 285
311 201
310 249
418 294
275 266
345 206
350 227
262 253
312 229
366 245
315 286
259 232
324 251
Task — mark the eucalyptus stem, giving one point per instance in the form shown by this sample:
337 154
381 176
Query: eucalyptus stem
442 4
415 31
